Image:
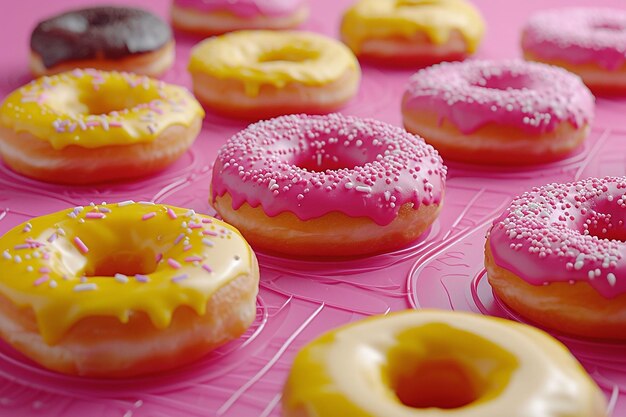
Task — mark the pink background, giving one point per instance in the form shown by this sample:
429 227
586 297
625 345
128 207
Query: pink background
300 299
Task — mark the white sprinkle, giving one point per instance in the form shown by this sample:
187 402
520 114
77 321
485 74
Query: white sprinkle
85 287
207 242
52 284
6 254
125 203
17 259
363 189
578 265
121 278
349 185
610 277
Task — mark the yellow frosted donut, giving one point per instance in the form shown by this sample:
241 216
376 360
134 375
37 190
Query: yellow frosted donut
261 74
433 364
88 126
419 32
116 290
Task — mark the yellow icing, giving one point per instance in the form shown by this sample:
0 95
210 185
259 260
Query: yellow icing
277 58
62 284
91 109
375 19
514 370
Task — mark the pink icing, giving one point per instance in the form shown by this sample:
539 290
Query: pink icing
566 232
529 96
578 36
313 165
245 8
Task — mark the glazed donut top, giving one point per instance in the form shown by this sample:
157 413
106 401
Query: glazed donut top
98 33
431 363
91 109
245 8
113 259
578 35
313 165
436 18
259 57
566 233
529 96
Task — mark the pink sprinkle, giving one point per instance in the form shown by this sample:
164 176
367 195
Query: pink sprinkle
104 210
207 268
95 215
45 256
205 220
41 280
171 213
179 238
142 278
193 259
209 233
187 247
115 124
194 225
159 257
52 237
180 277
173 263
80 245
44 270
148 216
22 246
92 123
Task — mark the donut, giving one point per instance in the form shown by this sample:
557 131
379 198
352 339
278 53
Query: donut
88 126
433 363
327 185
261 74
413 32
126 289
556 257
498 112
216 17
590 42
105 38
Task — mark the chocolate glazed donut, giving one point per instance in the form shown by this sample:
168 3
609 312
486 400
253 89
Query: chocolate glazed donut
109 38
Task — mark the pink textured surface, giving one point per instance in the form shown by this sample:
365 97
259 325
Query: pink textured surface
300 299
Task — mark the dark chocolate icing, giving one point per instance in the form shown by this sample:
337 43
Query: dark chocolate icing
98 32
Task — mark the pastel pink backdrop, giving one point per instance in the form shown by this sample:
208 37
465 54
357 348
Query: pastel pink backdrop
300 299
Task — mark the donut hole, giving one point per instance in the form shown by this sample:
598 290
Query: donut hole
439 383
504 81
320 162
123 262
99 102
292 54
85 97
439 366
608 27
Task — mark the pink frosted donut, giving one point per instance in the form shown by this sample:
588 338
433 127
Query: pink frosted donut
590 42
327 185
214 17
557 256
498 112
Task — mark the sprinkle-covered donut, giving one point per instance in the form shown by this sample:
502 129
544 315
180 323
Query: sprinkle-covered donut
430 363
115 290
413 32
498 112
590 42
215 17
106 38
88 126
557 256
259 74
327 185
